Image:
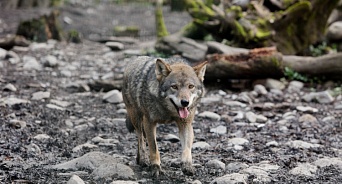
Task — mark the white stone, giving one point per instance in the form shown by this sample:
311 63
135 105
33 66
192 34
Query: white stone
307 109
115 45
219 130
31 63
3 53
211 99
50 61
80 147
40 95
260 89
113 96
324 162
52 106
216 164
234 104
334 31
13 101
234 178
301 144
41 137
200 145
10 87
304 169
272 143
210 115
274 84
75 180
238 141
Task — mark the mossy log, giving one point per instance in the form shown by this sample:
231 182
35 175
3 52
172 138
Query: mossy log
41 29
269 63
291 30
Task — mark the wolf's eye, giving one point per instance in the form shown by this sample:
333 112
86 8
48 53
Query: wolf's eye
174 87
191 86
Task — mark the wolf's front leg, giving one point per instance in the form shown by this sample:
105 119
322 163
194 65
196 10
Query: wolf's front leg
150 129
141 153
186 135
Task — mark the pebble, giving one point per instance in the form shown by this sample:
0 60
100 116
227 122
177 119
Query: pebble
75 180
272 144
40 95
211 99
274 84
172 138
325 162
41 137
80 147
323 97
33 149
328 119
234 104
10 101
3 53
63 104
10 87
307 109
234 178
124 182
17 123
236 166
113 96
260 89
215 164
121 111
13 57
238 141
304 169
301 144
50 61
210 115
115 46
31 63
200 145
295 86
52 106
219 130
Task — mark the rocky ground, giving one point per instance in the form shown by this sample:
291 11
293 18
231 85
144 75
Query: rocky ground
62 120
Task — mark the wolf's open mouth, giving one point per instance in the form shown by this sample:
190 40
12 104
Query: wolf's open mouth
182 111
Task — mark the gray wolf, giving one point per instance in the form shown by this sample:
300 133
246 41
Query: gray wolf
159 90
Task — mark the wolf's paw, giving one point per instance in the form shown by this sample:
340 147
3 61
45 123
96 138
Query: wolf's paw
188 169
156 170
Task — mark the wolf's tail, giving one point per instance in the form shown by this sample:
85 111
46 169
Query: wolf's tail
129 124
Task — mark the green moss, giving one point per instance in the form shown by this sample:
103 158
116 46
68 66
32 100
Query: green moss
240 30
160 25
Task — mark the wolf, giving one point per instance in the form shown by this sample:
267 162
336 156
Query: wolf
157 90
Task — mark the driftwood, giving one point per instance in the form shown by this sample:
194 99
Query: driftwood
269 63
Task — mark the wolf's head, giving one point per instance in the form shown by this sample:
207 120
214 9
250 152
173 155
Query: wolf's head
181 84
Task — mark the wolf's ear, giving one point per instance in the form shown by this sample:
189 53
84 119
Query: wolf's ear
200 70
162 69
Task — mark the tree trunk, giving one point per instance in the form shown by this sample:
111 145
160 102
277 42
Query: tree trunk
267 62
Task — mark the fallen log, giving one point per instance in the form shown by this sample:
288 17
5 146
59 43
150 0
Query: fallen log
269 63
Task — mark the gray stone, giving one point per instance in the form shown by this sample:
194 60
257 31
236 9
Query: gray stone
77 87
272 143
113 170
334 31
13 57
121 111
304 169
216 47
324 162
115 45
3 53
50 61
307 109
219 130
40 46
85 145
239 116
171 137
13 101
31 63
261 171
236 166
301 144
40 95
238 141
10 87
33 149
17 123
295 86
215 164
328 119
251 117
260 89
274 84
42 137
75 180
113 96
210 115
324 97
238 147
234 178
60 103
124 182
211 99
234 104
338 106
200 145
52 106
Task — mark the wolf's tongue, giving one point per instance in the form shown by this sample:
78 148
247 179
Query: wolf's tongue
183 112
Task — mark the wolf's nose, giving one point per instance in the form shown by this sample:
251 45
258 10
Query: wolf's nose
184 103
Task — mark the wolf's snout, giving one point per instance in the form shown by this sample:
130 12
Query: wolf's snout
184 103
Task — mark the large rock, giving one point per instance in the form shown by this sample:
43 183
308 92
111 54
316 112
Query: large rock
335 31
